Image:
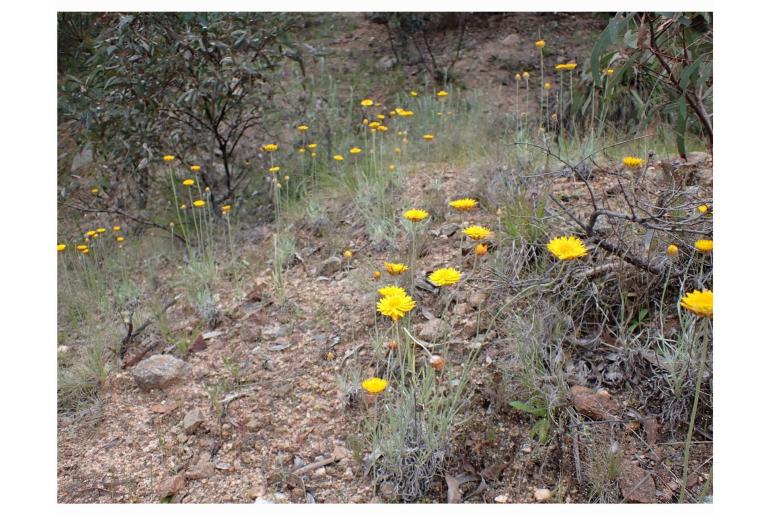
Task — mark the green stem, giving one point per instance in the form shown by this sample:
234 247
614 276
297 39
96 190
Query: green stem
703 338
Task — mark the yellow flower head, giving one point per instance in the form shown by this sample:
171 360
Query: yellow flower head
286 178
226 208
632 162
348 254
101 230
374 124
81 248
367 102
387 291
197 168
94 190
517 76
188 182
395 268
274 169
91 234
610 71
525 75
355 150
374 385
444 276
382 128
560 67
567 247
338 157
427 137
672 250
404 112
168 158
61 247
395 306
570 66
311 146
703 209
302 128
413 93
481 249
301 150
699 302
463 204
376 274
116 228
704 246
119 239
270 147
547 85
540 43
442 93
199 203
415 215
183 206
380 116
477 232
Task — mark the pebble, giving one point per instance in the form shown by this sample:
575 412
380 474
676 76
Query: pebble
502 499
542 494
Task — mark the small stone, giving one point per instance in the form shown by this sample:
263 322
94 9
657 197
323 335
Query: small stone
193 420
542 494
330 266
320 472
596 405
502 499
433 330
477 298
158 371
462 309
526 449
170 486
202 469
636 484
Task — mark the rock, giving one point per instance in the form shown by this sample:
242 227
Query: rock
476 299
596 405
502 499
542 494
159 370
83 158
469 329
386 63
330 266
511 40
462 309
202 469
320 472
433 330
170 486
636 484
193 420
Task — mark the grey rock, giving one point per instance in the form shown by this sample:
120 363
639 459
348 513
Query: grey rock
202 469
477 299
432 330
193 420
330 266
159 371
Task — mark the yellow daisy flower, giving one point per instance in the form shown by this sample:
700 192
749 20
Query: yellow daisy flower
540 43
395 306
427 137
464 204
188 182
567 247
274 169
199 203
355 150
374 385
311 146
302 128
477 232
338 157
444 276
632 162
442 93
699 302
415 215
197 168
480 249
395 268
672 250
61 247
704 246
367 102
270 147
413 93
387 291
168 158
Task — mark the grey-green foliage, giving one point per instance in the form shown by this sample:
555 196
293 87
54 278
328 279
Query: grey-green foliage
662 64
157 83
